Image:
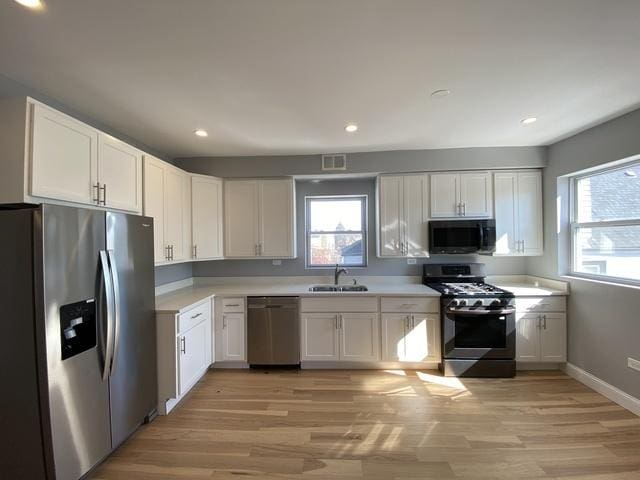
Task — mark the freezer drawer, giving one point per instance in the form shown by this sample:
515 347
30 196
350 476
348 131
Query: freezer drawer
273 331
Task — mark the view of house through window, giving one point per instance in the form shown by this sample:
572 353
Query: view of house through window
606 226
336 229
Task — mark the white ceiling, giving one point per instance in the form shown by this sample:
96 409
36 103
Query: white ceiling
285 76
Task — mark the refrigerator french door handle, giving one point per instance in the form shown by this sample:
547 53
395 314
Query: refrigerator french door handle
116 310
108 290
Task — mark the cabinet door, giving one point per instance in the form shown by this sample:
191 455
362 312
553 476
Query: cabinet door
154 204
527 337
475 194
277 218
120 174
445 195
192 359
359 337
506 208
319 336
390 216
64 155
175 208
553 337
530 212
394 331
241 218
206 217
422 339
233 337
416 214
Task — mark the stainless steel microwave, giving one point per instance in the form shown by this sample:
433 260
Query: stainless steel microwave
462 236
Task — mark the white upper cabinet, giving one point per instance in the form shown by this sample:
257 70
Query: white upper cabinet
260 218
119 174
518 207
465 194
167 198
64 157
276 218
206 217
52 157
403 212
241 218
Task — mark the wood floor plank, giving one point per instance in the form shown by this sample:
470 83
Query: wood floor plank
383 425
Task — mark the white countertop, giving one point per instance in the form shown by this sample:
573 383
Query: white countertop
178 300
181 299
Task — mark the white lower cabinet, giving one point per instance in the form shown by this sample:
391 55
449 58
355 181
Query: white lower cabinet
233 337
319 335
352 337
185 351
410 337
541 330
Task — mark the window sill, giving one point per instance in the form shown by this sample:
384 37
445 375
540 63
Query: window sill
600 281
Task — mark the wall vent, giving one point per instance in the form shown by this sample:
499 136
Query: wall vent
336 161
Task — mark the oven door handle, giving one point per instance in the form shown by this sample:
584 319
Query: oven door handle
472 311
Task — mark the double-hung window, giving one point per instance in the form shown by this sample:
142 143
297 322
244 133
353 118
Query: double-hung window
606 224
336 231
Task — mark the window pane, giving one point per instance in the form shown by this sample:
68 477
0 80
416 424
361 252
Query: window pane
335 215
329 249
613 195
611 251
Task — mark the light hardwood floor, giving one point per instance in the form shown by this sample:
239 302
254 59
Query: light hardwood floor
383 425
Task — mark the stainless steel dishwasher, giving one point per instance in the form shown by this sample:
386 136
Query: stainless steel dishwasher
273 331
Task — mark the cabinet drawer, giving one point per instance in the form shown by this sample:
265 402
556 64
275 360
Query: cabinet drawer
339 304
193 317
410 304
233 305
541 304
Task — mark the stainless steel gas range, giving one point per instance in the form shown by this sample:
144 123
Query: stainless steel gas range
477 321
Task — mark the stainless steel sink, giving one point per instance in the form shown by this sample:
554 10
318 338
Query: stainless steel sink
338 288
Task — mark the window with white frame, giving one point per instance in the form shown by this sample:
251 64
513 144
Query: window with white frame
336 231
606 224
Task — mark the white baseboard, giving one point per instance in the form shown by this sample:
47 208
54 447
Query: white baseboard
328 365
523 366
612 393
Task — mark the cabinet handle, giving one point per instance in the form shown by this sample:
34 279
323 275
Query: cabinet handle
464 209
97 197
104 194
413 322
407 323
458 210
166 255
183 341
231 304
340 321
539 322
195 251
545 321
196 315
224 322
335 322
522 246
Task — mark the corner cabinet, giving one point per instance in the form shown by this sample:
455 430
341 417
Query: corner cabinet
518 211
52 157
461 195
259 218
403 212
184 352
167 198
206 217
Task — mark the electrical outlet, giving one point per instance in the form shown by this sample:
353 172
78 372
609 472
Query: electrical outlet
633 363
411 261
277 262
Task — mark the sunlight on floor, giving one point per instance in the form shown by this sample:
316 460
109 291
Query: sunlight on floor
450 382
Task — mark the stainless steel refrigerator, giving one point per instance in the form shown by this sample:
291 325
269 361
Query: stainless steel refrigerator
78 362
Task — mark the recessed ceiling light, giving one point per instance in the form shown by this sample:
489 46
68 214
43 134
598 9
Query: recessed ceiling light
201 133
528 120
352 127
34 4
440 93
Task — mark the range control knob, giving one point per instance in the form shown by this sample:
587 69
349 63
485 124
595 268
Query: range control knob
454 303
495 303
477 303
462 303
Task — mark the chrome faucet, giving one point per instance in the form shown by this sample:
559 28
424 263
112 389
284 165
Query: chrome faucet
339 271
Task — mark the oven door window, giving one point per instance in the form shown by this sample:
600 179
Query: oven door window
480 331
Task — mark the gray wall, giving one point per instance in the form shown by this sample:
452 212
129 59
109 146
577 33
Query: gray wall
400 161
376 266
173 273
604 320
